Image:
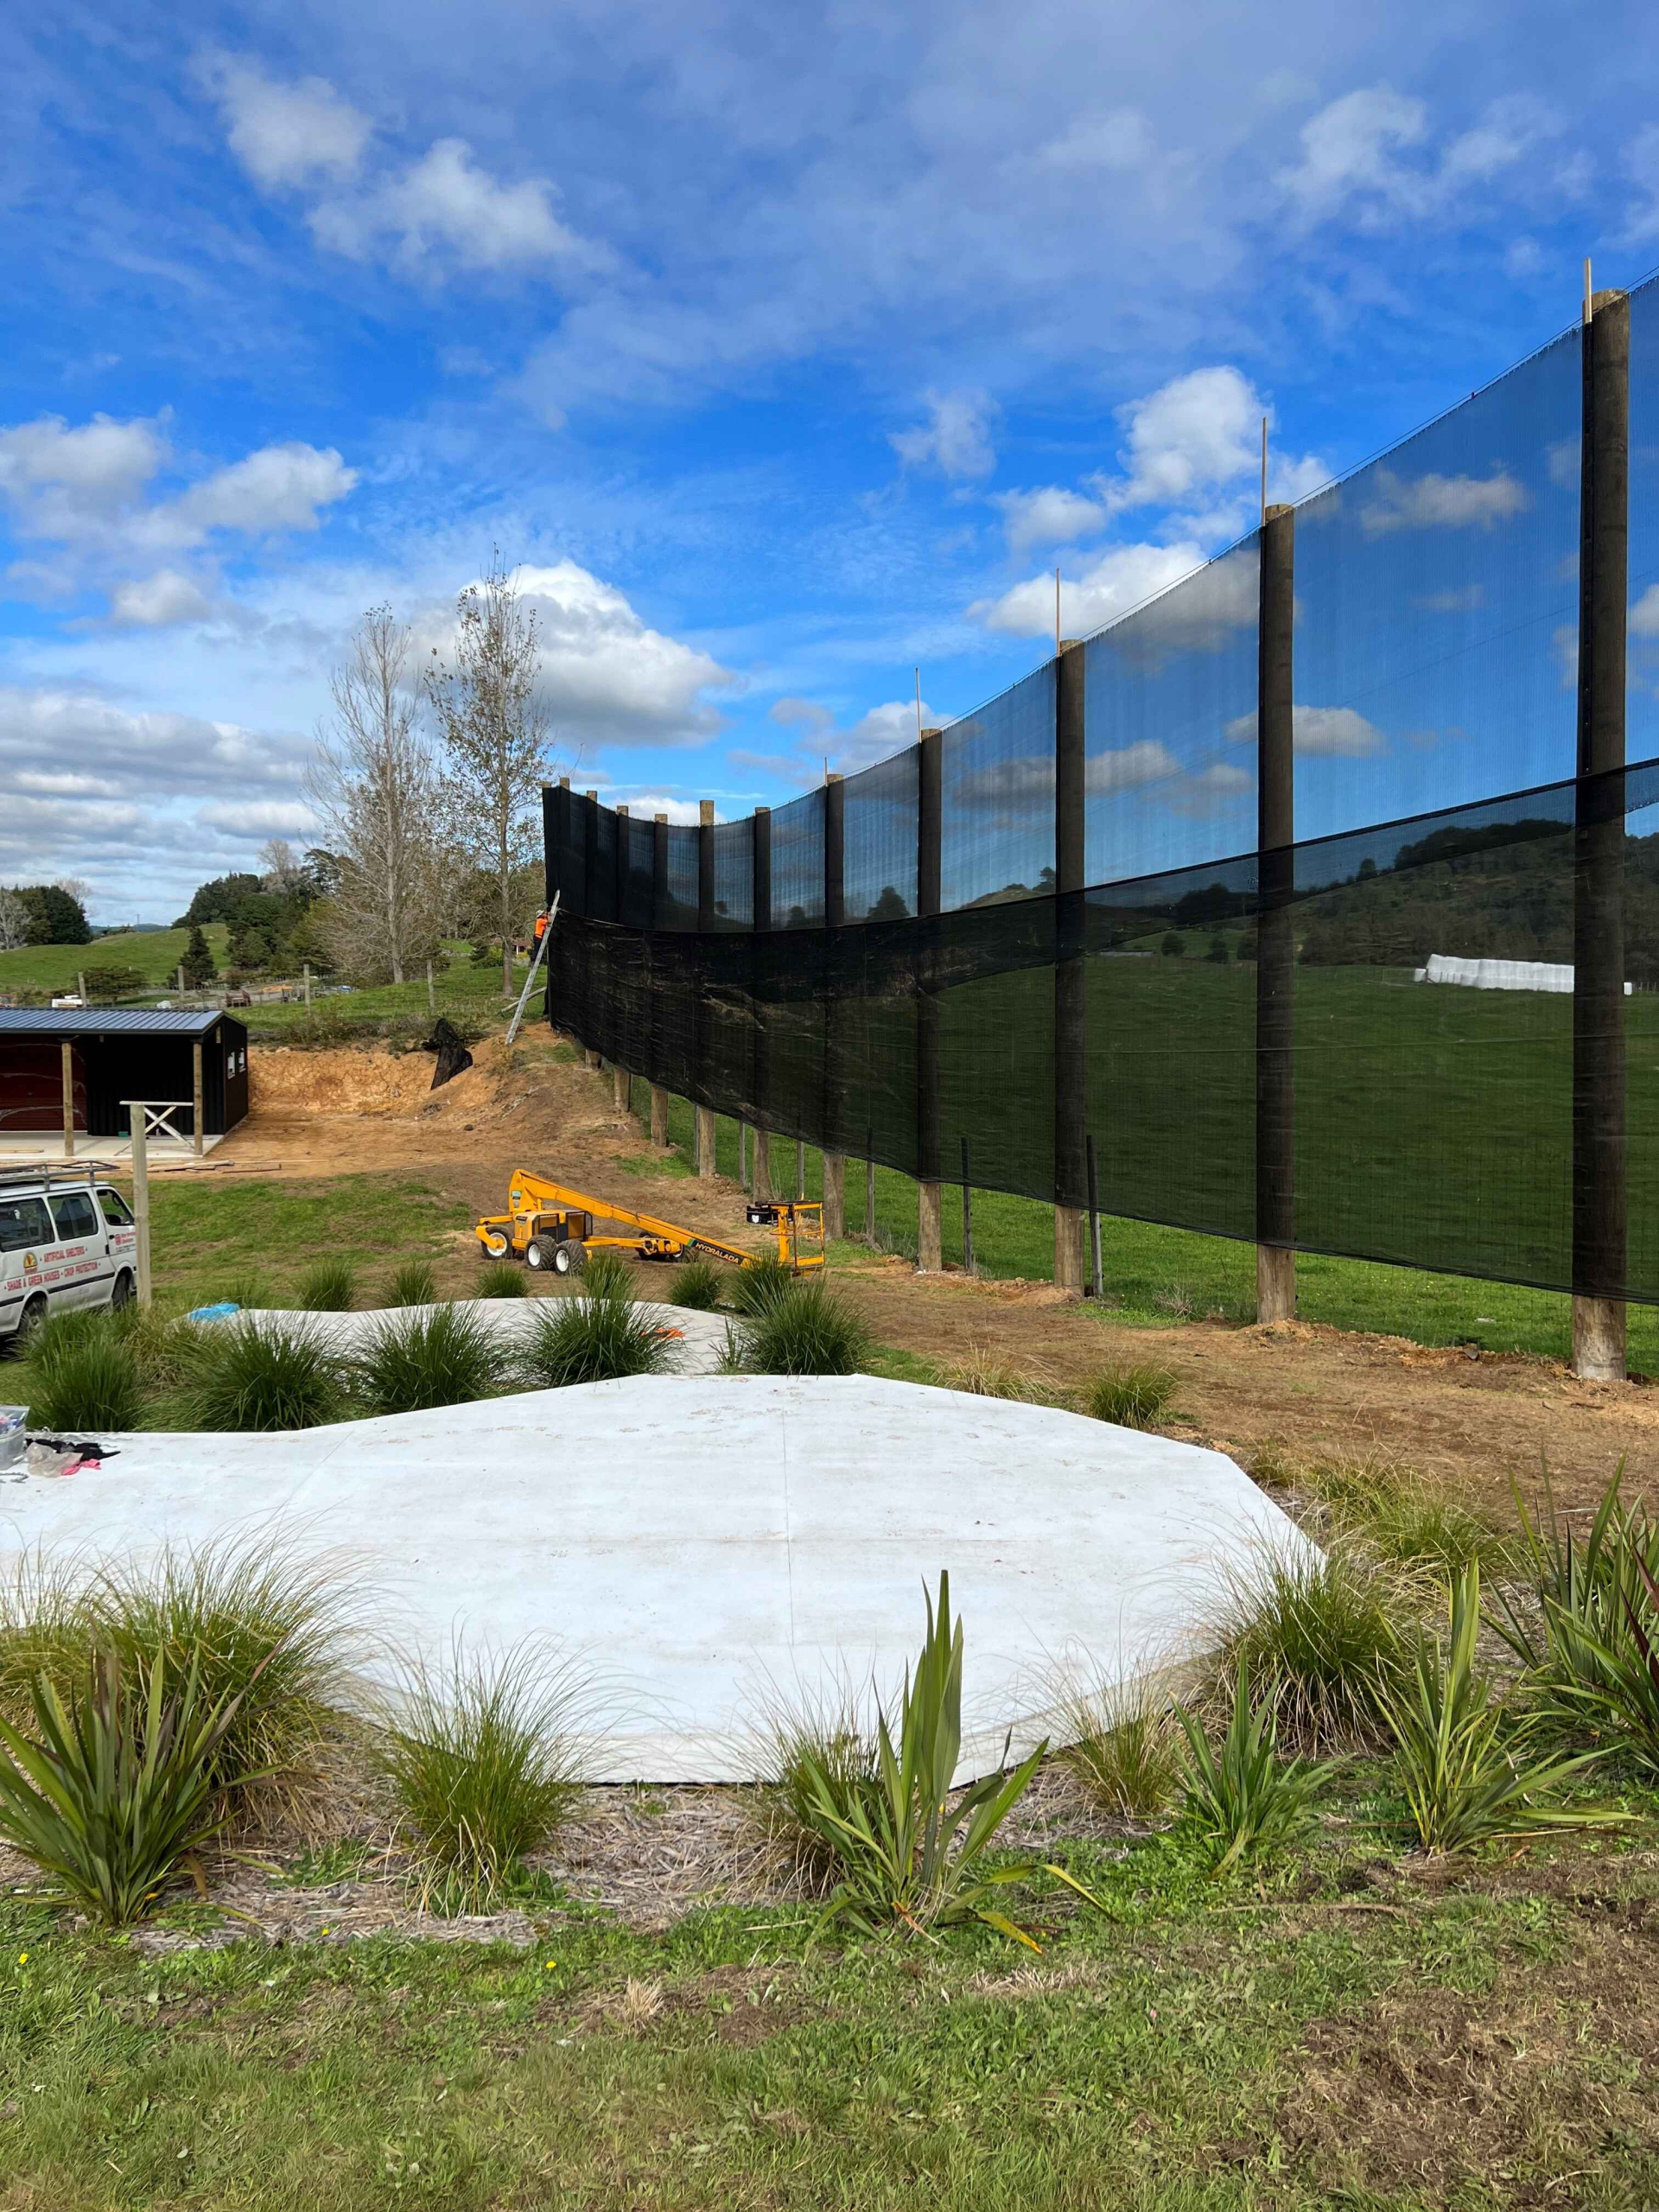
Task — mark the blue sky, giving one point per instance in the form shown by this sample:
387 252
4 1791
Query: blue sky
785 350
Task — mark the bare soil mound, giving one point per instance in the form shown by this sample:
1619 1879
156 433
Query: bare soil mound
357 1079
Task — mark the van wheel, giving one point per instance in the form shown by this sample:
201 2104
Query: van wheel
123 1290
569 1259
34 1314
496 1245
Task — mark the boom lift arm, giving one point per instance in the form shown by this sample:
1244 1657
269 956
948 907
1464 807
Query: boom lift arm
550 1225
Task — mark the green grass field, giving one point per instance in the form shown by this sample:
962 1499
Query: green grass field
210 1241
154 953
1329 2036
466 994
1158 1276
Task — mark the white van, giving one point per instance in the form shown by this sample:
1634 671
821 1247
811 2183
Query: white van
66 1239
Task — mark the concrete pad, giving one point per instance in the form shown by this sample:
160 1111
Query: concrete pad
709 1542
695 1340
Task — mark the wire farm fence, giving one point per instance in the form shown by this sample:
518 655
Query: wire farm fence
1175 909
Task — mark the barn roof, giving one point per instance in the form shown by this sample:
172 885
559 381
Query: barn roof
57 1022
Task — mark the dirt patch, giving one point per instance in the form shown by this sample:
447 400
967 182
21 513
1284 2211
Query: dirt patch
1431 2088
743 2005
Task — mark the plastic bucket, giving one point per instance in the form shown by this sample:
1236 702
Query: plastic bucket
14 1444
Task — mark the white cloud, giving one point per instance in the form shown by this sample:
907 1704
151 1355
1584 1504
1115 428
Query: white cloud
1216 597
1130 766
1565 461
1211 791
883 731
800 714
1327 732
1349 149
1434 502
1641 166
1121 139
131 799
1463 601
606 678
59 480
279 487
1049 516
286 134
1198 436
1352 157
154 602
259 817
957 437
444 208
1644 618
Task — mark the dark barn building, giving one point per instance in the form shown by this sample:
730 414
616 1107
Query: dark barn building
80 1061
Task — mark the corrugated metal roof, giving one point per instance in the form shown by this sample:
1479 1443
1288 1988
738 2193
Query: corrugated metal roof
109 1022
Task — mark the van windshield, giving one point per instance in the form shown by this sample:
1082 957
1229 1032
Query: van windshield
24 1222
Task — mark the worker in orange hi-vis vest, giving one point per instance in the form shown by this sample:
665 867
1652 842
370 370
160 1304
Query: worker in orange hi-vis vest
540 925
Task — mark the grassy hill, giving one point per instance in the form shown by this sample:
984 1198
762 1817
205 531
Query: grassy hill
156 953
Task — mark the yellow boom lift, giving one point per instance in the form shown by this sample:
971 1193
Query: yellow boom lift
550 1225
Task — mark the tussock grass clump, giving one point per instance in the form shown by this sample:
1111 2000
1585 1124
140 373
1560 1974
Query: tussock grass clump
1407 1520
260 1625
1241 1802
483 1757
413 1284
254 1622
502 1279
330 1287
1125 1747
807 1332
816 1752
82 1372
444 1357
239 1377
698 1286
590 1340
1325 1631
986 1374
1130 1397
755 1290
607 1275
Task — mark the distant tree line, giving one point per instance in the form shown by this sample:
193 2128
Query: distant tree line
43 914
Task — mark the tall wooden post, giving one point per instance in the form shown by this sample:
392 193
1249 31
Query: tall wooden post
1599 1162
197 1098
761 1083
308 986
1275 965
929 873
68 1052
835 919
1070 1005
659 921
703 1142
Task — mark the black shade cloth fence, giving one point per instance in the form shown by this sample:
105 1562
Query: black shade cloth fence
1411 1012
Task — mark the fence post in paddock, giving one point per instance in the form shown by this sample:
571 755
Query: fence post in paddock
968 1267
835 917
704 1116
66 1056
761 1080
869 1186
1599 1170
930 857
1275 965
1070 1005
621 1091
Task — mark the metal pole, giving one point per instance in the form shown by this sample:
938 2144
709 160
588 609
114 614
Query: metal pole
196 1098
1070 1001
967 1215
800 1167
68 1052
834 1086
141 1193
1275 969
759 971
1094 1222
870 1184
1598 1094
308 985
431 991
